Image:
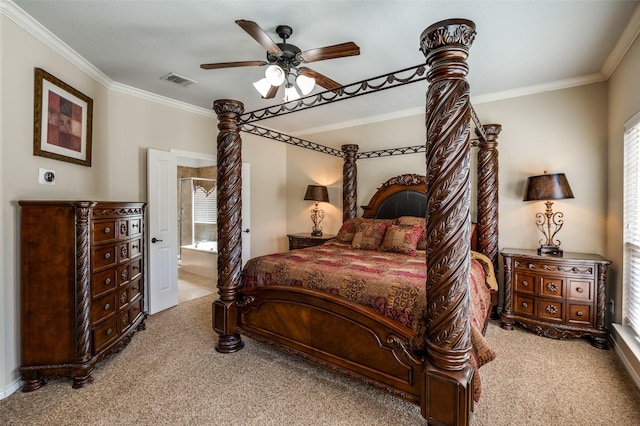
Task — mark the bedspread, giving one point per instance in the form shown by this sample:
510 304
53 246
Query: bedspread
391 283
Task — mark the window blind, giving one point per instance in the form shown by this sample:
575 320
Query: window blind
631 266
204 206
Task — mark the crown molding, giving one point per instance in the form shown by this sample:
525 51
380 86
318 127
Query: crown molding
152 97
625 41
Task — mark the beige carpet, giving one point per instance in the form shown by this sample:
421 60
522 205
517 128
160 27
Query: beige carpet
171 374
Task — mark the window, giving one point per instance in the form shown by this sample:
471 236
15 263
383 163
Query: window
204 206
631 267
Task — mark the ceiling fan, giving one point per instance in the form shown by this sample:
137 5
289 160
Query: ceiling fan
283 60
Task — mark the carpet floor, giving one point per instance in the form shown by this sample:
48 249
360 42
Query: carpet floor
171 374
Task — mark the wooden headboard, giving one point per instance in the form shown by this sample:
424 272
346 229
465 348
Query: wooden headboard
404 195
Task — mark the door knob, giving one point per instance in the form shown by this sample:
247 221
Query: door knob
155 240
246 230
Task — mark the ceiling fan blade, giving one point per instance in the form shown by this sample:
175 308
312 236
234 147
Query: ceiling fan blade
233 65
272 92
331 52
259 35
321 79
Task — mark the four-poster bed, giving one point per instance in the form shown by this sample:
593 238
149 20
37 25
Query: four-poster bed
343 334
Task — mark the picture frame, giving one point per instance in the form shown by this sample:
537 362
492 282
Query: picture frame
62 122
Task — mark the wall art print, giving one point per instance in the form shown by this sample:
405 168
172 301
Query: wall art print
62 121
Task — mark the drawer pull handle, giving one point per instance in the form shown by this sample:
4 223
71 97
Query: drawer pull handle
107 255
551 286
107 281
109 331
580 290
135 246
106 307
579 313
107 230
525 284
525 304
134 225
551 309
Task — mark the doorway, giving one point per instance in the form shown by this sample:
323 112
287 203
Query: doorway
164 221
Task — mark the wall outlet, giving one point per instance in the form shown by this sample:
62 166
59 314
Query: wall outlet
46 176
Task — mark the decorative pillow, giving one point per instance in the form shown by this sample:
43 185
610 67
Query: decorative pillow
348 230
369 235
416 221
401 239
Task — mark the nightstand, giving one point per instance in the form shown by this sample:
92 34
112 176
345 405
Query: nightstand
303 240
557 297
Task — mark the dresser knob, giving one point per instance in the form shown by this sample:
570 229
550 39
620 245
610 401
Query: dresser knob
134 225
106 307
551 286
107 230
525 284
579 313
107 281
525 304
107 255
580 290
109 331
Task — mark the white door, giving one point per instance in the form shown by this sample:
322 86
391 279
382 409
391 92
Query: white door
162 235
245 214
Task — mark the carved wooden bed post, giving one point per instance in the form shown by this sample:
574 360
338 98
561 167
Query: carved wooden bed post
488 198
488 192
229 193
447 397
349 183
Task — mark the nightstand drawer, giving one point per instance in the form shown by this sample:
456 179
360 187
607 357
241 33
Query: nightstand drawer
550 310
524 305
525 283
552 287
581 289
298 241
580 314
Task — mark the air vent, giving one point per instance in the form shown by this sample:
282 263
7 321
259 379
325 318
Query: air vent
178 79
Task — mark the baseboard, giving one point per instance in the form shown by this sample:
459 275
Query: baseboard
10 389
630 354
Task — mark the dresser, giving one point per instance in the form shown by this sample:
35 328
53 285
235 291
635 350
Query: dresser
297 241
558 297
81 285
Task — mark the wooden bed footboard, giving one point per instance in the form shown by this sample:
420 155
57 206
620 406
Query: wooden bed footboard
336 333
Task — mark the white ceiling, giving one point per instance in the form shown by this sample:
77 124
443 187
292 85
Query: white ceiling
520 47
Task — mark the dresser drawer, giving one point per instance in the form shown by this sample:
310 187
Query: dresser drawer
580 314
129 271
550 310
135 289
105 334
103 256
103 308
123 298
523 305
136 247
135 226
103 282
103 230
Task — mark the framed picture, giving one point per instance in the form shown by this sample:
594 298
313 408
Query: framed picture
62 121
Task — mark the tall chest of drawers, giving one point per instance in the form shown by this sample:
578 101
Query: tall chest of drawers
558 297
82 285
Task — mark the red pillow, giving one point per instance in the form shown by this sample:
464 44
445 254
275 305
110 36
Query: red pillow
369 235
401 239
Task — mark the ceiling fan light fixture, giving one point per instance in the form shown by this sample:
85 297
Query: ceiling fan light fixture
262 86
306 84
290 93
274 75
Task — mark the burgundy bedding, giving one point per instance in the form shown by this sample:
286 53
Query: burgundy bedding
391 283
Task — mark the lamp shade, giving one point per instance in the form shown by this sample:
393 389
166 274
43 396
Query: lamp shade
262 86
317 193
274 75
547 187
